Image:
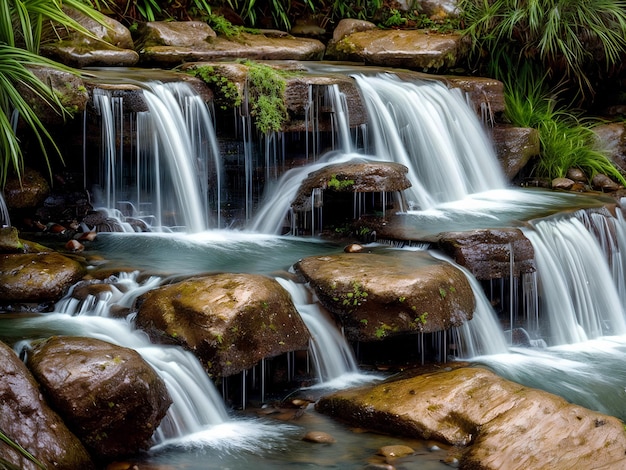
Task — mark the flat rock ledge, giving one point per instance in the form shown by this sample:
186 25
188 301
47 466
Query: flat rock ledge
492 423
229 321
376 295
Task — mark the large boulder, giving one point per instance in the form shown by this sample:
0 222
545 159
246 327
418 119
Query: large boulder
108 395
490 253
37 277
413 49
377 295
492 422
230 321
27 420
352 177
27 192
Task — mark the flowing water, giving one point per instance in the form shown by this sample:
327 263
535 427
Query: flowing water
457 185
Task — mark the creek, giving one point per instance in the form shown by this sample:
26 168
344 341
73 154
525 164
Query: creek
172 180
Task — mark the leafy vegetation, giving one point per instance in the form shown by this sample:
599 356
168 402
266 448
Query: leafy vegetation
266 100
22 25
579 40
567 141
227 94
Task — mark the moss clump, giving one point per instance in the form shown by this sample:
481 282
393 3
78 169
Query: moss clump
266 87
227 94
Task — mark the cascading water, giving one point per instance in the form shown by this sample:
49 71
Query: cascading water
163 178
332 356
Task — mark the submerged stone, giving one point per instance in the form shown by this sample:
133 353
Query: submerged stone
379 295
230 321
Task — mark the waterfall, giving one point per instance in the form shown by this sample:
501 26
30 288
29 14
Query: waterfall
163 178
431 130
196 405
5 221
577 292
332 356
482 334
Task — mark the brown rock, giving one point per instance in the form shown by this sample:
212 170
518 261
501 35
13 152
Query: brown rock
515 146
377 295
414 49
230 321
603 183
353 177
27 419
395 451
564 184
576 174
10 240
27 192
37 277
485 94
318 437
487 253
347 26
502 424
612 138
108 395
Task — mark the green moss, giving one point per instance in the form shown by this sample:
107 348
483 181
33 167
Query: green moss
266 87
226 92
339 185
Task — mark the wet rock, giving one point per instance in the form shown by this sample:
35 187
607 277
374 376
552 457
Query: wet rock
564 184
576 174
353 248
318 437
439 9
500 423
27 419
348 26
486 95
27 192
37 277
230 321
396 451
603 183
378 295
353 177
175 33
487 253
268 45
10 240
111 44
108 395
515 146
612 138
74 246
413 49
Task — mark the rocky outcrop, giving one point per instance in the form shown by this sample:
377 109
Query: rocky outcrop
488 253
612 137
267 45
352 177
37 277
27 420
379 295
413 49
27 192
492 422
230 321
108 395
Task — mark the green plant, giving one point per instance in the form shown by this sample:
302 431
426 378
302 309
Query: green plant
226 92
382 330
11 443
394 19
566 140
21 31
266 88
254 11
339 185
575 39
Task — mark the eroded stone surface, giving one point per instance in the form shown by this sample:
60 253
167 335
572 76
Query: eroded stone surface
28 420
108 395
230 321
378 295
500 424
